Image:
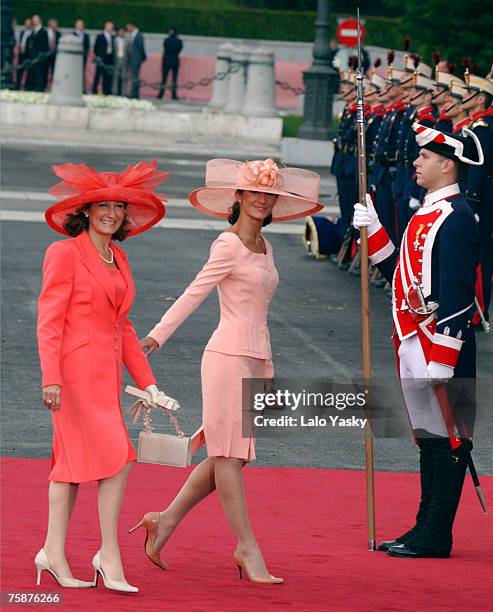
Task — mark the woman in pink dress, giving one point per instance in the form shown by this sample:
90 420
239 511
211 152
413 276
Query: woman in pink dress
241 266
84 337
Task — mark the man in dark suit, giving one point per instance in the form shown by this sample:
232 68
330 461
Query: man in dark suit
172 49
37 44
24 35
86 43
54 36
104 59
120 67
136 57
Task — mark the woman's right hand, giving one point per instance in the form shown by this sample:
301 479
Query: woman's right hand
149 345
51 396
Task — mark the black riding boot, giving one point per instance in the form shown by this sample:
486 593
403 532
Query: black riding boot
449 467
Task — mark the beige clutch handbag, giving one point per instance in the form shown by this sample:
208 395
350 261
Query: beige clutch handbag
163 449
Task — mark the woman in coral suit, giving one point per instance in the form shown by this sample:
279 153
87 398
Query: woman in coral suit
84 337
241 266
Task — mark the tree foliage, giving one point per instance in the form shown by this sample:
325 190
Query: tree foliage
456 28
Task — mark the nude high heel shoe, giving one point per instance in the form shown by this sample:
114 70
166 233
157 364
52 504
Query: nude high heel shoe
266 579
114 585
42 564
151 521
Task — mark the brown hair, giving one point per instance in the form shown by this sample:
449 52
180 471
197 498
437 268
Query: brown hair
77 222
234 213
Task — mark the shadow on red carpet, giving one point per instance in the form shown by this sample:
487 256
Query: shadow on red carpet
311 525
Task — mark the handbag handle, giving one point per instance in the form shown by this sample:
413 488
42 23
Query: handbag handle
140 406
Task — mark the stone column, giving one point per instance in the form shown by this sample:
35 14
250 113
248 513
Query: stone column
237 80
220 86
260 96
67 78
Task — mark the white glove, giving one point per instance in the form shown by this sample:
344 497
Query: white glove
437 373
153 392
366 216
159 399
414 203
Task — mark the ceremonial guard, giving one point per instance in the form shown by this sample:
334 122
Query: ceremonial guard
441 92
479 185
415 82
343 163
433 277
451 89
376 98
385 148
453 109
424 115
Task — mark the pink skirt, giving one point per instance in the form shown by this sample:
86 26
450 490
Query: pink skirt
222 377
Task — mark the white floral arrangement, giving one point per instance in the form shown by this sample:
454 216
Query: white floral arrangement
92 101
95 101
26 97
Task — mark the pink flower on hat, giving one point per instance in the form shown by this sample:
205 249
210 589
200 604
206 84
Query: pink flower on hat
264 173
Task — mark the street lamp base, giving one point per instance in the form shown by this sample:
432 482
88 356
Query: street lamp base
321 82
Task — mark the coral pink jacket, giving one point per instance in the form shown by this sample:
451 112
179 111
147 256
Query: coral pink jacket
81 333
245 282
83 340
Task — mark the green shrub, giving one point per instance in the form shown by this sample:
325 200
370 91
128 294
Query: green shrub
291 125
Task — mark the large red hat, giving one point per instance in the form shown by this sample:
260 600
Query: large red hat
84 185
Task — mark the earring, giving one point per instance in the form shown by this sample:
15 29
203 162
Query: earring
86 215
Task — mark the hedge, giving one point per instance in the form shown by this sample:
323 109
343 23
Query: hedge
230 23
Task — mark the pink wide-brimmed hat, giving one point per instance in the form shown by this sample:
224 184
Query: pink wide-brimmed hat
297 189
83 185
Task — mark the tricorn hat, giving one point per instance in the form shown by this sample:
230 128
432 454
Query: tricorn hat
464 148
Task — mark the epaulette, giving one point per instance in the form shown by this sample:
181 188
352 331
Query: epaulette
429 118
479 123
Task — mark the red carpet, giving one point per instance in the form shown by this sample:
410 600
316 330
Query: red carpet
312 528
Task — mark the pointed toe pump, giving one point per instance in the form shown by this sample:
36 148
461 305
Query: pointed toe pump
121 586
150 522
42 564
264 579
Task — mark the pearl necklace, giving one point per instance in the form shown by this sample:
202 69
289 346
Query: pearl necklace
108 261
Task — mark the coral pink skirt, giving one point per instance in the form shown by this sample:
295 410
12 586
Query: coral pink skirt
222 377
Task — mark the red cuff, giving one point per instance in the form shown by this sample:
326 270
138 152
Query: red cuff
380 246
445 350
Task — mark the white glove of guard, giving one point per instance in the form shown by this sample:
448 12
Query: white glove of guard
437 373
366 216
414 203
